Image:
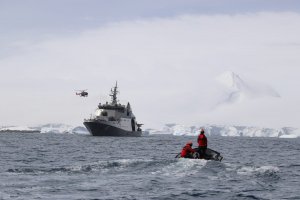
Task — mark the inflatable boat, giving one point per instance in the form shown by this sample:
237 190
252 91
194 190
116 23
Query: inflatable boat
209 155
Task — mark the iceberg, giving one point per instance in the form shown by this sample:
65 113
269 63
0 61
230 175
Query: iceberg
46 128
225 130
19 129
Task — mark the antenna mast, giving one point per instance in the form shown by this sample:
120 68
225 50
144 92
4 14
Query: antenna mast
114 92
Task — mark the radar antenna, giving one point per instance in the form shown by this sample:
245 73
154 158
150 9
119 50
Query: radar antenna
114 92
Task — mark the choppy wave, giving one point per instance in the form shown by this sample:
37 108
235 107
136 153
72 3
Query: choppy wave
174 167
104 166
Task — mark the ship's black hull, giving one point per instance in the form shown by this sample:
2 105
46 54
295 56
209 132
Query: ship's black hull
99 129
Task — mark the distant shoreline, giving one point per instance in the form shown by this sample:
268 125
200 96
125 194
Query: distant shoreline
19 131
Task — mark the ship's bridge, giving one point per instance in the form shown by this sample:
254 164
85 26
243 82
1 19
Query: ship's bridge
109 112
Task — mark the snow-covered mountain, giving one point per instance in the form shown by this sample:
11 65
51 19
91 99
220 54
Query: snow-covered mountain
222 130
237 90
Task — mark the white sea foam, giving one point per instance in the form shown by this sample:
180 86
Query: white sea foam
182 167
257 170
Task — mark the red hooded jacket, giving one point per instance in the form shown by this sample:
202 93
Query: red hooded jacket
202 140
187 149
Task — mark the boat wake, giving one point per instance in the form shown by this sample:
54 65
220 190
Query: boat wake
181 167
151 167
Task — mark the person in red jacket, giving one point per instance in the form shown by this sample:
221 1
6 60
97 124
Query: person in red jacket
202 143
187 150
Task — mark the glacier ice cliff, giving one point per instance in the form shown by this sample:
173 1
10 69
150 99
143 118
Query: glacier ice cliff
225 130
171 129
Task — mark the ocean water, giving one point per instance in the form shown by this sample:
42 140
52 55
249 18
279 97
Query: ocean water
65 166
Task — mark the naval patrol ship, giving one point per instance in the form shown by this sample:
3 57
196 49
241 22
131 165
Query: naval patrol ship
113 119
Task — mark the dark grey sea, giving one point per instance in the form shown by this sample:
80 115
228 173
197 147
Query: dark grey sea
66 166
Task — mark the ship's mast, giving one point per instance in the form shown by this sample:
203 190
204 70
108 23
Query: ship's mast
114 92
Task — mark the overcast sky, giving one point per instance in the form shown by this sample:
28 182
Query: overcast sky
165 55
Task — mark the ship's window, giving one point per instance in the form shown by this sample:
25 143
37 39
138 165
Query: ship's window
104 113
